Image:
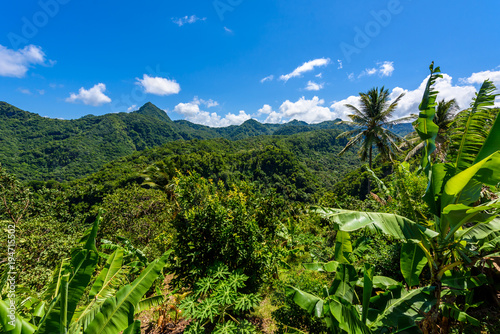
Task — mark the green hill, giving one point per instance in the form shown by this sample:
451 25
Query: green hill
38 148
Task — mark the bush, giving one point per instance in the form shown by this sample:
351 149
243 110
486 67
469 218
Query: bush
214 224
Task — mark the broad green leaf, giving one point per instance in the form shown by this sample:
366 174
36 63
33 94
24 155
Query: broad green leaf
425 126
312 304
451 311
472 131
149 303
479 232
436 177
21 326
367 290
463 281
347 316
344 283
382 282
412 263
330 267
113 265
397 306
63 300
387 223
490 246
82 265
465 187
118 311
492 143
134 328
343 247
457 215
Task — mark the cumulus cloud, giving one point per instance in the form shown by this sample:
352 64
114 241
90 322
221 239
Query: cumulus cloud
306 67
132 108
187 20
158 85
94 96
479 77
447 91
16 63
340 64
310 111
268 78
266 109
385 69
193 113
340 110
409 103
313 86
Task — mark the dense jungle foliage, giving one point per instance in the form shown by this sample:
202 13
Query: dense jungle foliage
38 148
252 229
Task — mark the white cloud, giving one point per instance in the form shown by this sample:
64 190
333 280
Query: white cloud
479 77
368 72
132 108
447 91
266 109
410 102
313 86
226 29
340 110
41 91
268 78
187 20
310 111
94 96
319 75
386 68
193 113
158 85
25 91
350 76
16 63
306 67
340 64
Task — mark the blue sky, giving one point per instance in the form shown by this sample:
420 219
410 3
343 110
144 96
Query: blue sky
224 61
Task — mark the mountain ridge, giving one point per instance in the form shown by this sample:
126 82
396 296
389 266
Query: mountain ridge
34 147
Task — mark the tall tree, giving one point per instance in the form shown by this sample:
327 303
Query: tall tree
371 123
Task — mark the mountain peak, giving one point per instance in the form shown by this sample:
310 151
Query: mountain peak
151 110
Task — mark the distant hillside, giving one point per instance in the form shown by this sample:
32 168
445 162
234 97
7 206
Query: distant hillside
38 148
300 166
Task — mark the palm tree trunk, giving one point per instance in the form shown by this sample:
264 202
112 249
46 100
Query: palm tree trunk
369 164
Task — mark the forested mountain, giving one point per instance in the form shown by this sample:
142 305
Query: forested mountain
39 148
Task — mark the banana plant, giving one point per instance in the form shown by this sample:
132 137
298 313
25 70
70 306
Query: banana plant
108 308
344 309
461 231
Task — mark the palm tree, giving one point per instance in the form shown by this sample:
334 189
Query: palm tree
371 124
444 117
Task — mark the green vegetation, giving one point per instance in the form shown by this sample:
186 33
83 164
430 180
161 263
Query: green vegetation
264 229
